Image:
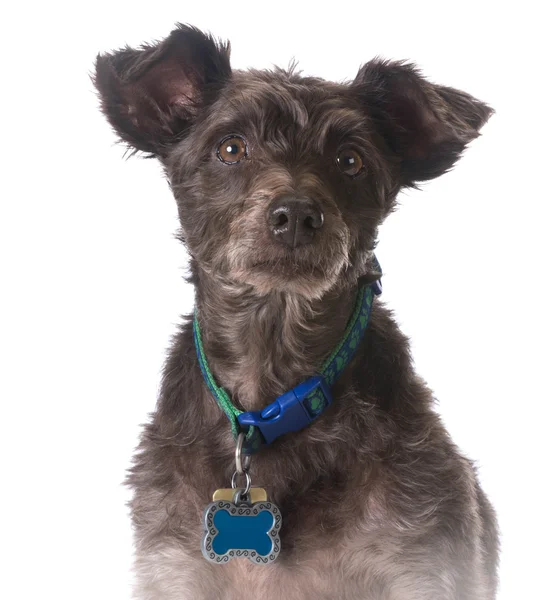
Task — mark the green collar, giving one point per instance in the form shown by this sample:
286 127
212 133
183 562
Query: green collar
298 407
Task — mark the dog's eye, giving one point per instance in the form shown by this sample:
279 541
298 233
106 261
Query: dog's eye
232 149
349 162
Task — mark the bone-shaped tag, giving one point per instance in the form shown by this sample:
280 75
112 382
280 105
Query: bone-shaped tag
248 531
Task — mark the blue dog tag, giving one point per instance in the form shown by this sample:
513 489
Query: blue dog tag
241 530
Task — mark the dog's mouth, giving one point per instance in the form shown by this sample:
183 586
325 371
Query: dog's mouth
307 272
290 266
291 274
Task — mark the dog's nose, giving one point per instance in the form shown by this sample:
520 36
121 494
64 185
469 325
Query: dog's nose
294 221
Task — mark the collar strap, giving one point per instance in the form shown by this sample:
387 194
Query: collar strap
301 405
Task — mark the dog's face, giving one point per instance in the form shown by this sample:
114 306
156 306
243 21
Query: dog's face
279 184
282 181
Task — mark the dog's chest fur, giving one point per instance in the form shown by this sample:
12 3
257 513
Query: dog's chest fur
376 502
348 543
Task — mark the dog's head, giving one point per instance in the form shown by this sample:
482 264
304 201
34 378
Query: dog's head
281 180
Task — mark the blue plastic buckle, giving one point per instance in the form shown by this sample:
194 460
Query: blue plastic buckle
289 412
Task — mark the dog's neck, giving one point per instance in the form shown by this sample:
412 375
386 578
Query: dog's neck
258 347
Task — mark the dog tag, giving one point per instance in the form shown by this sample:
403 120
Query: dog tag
255 495
234 529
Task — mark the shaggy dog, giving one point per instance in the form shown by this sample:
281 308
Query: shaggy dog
281 183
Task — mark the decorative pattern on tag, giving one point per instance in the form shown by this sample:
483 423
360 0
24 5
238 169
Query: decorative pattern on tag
247 531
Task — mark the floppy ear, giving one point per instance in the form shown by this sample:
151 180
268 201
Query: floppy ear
426 126
151 95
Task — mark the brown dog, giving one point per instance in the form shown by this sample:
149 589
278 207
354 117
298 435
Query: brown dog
281 183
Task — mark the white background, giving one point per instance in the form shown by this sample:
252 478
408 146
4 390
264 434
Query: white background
92 284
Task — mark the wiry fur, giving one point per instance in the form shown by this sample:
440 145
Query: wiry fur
377 501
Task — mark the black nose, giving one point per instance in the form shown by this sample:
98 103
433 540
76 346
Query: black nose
293 221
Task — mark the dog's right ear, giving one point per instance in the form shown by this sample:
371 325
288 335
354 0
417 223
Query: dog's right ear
151 95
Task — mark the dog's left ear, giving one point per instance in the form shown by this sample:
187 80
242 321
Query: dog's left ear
151 95
425 126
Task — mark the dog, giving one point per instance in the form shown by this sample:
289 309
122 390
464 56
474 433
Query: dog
281 183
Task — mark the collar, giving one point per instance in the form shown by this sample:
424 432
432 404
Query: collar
297 408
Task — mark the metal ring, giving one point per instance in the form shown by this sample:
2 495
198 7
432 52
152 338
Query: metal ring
241 498
242 462
247 487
